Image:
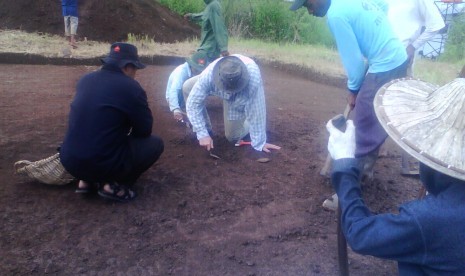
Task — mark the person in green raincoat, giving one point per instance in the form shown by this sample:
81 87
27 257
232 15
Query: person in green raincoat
214 34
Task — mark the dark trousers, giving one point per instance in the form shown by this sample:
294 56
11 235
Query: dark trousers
144 152
369 134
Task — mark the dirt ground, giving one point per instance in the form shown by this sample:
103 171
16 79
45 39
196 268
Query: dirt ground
100 20
194 215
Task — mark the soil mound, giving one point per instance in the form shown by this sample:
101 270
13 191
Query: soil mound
100 20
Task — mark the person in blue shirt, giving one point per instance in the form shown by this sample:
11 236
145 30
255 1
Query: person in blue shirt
193 66
371 54
70 15
237 80
426 236
109 141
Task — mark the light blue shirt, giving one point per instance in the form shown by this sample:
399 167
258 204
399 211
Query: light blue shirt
364 38
174 95
248 103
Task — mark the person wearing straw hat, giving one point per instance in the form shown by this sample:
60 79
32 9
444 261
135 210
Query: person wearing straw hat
427 236
193 66
109 141
371 54
237 80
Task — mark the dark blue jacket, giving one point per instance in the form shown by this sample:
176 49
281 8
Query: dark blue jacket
107 106
69 7
427 237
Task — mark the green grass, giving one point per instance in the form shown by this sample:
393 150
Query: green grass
438 72
327 61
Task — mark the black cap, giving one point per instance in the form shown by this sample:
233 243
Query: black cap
122 54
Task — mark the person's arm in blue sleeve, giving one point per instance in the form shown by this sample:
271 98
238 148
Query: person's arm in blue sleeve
349 51
397 237
174 89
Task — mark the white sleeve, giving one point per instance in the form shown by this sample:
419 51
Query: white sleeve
432 20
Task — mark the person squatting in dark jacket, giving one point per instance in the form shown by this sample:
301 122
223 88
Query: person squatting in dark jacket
109 141
427 236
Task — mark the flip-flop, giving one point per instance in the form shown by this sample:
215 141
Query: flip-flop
86 190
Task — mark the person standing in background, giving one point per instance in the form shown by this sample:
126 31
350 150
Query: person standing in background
372 56
415 22
214 34
70 14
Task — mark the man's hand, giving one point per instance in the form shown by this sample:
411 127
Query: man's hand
351 100
341 144
178 116
206 142
187 16
267 147
410 53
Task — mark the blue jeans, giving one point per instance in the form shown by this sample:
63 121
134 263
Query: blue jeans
369 134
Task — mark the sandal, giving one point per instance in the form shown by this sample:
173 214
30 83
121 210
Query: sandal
118 192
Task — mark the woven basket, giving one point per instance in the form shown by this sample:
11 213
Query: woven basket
49 170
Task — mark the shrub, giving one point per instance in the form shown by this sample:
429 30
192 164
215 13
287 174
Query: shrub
455 44
184 6
269 20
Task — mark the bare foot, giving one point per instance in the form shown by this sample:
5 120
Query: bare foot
83 185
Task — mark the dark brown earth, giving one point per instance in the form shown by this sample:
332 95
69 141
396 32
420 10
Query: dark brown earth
100 20
194 215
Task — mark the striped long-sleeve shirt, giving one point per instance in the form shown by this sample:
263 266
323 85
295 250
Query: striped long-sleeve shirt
248 103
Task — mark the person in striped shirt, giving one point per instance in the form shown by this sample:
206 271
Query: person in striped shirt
237 80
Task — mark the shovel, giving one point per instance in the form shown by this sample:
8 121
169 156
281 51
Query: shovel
212 155
242 143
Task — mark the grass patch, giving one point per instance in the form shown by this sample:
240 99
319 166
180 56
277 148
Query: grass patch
318 58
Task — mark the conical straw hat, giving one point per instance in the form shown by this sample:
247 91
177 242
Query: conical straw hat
427 121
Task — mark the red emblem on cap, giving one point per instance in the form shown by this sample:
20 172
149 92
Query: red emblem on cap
201 61
117 49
